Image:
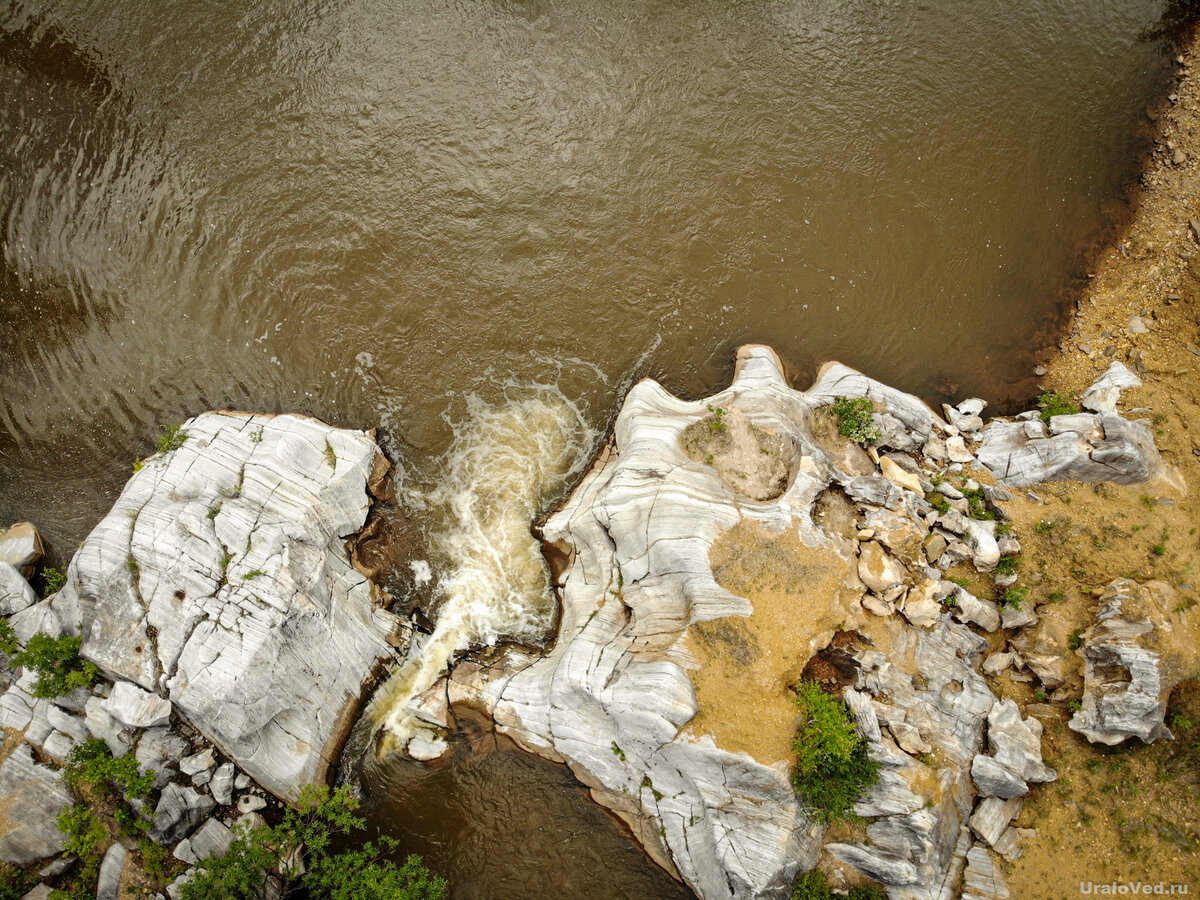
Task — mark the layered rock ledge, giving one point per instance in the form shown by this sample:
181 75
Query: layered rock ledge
616 696
219 585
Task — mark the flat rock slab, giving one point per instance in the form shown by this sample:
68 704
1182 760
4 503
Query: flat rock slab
31 797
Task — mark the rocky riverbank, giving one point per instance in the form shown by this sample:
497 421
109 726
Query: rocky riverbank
230 633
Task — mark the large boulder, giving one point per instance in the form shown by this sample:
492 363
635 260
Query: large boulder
1132 658
220 580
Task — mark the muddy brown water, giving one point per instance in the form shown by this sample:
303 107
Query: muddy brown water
404 214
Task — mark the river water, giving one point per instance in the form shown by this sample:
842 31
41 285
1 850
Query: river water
476 223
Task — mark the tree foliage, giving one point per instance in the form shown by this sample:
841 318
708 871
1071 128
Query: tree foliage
363 873
56 662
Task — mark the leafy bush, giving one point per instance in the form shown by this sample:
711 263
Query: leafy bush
867 892
810 886
977 507
55 579
1055 403
14 882
8 639
359 874
57 665
1014 597
93 764
1006 566
832 768
86 838
938 501
855 420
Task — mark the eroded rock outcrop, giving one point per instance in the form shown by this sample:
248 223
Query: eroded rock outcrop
616 696
220 581
1131 660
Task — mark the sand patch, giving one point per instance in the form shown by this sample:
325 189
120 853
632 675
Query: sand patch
800 598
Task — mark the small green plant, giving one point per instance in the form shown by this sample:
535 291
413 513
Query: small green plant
55 579
1014 597
1055 403
855 420
214 510
85 838
718 418
867 892
977 507
56 663
15 883
811 886
92 764
1044 527
330 456
959 580
171 438
1179 722
1148 501
1075 706
1075 640
137 464
1006 566
256 435
253 573
950 601
132 565
938 501
833 769
1158 549
1056 596
618 752
8 639
157 861
1039 695
1004 529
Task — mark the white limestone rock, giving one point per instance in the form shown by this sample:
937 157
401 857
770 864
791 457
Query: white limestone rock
983 879
21 547
210 839
136 708
221 579
15 592
1105 392
221 786
180 809
1097 447
1131 659
109 882
31 797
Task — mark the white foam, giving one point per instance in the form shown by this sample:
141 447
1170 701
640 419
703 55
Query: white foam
505 462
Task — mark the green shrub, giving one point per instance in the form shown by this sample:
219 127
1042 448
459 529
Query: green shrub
811 886
359 874
938 501
15 883
86 838
977 507
1014 597
93 764
1044 527
8 639
1055 403
1075 640
832 769
56 663
1006 566
855 420
867 892
55 579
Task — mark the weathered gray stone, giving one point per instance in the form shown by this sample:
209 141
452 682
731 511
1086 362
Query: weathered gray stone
1128 672
109 883
1013 618
137 708
992 816
970 609
250 803
21 547
210 839
15 592
994 780
1016 743
1125 454
1105 392
106 728
31 797
72 726
999 662
159 749
41 892
885 868
982 879
266 665
197 762
180 809
58 745
879 571
16 708
221 785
